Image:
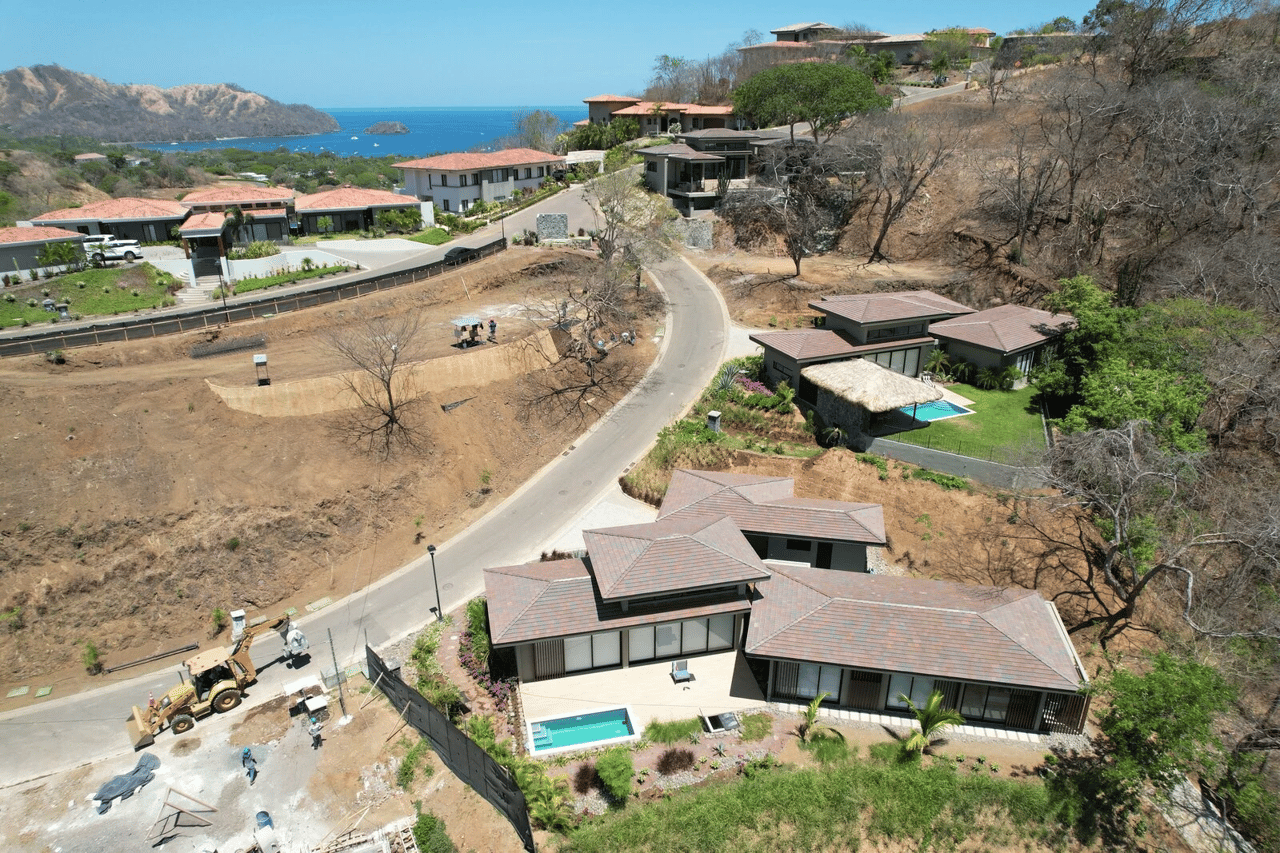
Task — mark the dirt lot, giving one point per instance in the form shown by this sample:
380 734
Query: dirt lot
313 796
137 502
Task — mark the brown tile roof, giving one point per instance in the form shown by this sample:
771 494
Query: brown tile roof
610 99
801 27
1005 328
36 234
908 625
764 45
806 344
352 198
679 151
538 601
488 160
117 208
236 194
768 505
671 555
884 307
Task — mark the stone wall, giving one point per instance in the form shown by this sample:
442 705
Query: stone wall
696 233
553 226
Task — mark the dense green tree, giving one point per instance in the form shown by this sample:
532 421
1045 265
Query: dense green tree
1158 727
823 94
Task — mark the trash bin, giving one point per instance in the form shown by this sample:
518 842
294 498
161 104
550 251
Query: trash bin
264 820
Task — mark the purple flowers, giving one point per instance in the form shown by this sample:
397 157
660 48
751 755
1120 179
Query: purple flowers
753 387
479 673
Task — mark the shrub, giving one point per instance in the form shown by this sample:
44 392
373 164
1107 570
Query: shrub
409 765
950 482
672 731
256 249
878 461
674 760
91 658
429 832
232 544
585 778
615 770
219 620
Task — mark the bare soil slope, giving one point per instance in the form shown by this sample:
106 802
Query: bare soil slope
136 501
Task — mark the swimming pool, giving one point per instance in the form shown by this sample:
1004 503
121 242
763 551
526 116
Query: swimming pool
937 410
590 728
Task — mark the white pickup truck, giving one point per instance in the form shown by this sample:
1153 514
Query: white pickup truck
104 247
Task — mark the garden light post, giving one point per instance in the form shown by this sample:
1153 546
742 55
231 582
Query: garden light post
431 549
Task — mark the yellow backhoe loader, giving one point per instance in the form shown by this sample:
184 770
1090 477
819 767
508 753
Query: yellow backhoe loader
216 679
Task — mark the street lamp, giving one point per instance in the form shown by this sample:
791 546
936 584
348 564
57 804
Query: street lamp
431 549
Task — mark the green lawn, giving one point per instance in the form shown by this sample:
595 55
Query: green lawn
432 237
93 292
1004 425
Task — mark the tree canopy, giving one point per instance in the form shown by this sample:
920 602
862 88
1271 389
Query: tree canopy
823 94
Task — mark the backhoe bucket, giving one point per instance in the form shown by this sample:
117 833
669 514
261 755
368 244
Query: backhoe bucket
139 728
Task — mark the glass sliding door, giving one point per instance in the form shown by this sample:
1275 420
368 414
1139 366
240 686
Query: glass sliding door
640 643
720 634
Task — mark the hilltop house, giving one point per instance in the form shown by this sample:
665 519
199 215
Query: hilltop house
657 117
737 561
454 182
689 171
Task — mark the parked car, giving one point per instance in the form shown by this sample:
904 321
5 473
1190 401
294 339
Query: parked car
454 256
104 247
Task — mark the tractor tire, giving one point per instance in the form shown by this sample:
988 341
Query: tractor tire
226 700
182 723
130 257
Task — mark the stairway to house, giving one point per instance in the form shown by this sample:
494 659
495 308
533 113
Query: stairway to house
198 293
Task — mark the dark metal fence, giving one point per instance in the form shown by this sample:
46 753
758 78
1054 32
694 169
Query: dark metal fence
266 304
468 761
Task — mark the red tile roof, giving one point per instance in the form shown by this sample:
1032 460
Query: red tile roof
36 234
488 160
236 194
884 307
211 222
671 555
764 45
644 108
768 505
117 209
700 110
352 198
539 601
908 625
609 99
1005 328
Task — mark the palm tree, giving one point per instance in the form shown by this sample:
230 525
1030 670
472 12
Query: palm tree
809 729
938 363
933 718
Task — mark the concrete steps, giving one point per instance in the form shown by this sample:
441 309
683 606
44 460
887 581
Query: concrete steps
198 293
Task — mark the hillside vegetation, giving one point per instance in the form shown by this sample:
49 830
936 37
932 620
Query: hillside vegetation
48 100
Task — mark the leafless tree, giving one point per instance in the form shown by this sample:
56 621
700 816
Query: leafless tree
379 349
1146 538
630 218
1024 190
910 150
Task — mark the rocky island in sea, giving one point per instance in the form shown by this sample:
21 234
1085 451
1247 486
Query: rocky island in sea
387 127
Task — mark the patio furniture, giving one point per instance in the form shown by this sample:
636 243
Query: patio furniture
680 671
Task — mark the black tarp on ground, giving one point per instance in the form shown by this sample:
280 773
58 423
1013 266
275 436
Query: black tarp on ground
124 785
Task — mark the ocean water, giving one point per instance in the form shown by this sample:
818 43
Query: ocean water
432 130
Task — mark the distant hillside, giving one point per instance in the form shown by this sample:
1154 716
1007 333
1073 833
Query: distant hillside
48 100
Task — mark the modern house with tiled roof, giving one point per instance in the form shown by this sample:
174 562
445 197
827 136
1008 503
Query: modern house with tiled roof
21 246
890 329
656 117
147 220
454 182
737 562
690 170
352 208
270 207
1004 336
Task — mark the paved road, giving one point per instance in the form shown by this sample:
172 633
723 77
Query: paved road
75 730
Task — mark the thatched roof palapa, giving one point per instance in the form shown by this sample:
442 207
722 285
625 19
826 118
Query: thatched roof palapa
867 384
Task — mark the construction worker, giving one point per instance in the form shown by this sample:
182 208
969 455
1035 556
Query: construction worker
249 764
316 726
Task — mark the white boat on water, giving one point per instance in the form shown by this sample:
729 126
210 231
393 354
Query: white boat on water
355 137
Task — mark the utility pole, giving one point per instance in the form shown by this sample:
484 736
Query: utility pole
337 675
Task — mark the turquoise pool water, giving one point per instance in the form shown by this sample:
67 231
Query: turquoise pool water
936 411
581 729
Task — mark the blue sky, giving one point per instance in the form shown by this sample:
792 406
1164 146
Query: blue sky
340 53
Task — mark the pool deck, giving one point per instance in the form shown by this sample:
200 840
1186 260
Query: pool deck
722 682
